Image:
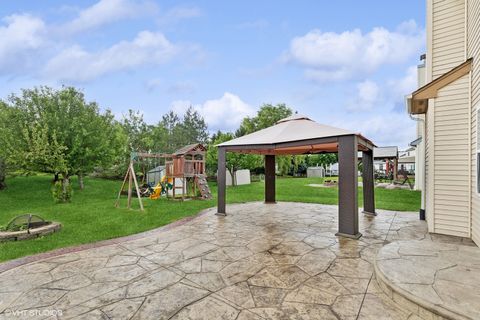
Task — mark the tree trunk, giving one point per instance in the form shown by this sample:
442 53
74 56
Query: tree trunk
234 177
80 181
65 185
3 174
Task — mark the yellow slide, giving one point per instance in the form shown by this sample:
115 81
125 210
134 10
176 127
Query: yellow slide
159 188
157 191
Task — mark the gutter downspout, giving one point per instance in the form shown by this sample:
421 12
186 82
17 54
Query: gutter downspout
423 182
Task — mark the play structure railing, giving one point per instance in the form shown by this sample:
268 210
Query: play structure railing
194 167
183 166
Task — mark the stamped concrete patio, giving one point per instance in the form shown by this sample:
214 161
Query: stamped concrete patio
280 261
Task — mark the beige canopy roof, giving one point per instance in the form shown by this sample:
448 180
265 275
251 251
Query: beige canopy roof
296 134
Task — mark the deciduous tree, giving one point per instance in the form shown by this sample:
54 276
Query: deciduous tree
60 133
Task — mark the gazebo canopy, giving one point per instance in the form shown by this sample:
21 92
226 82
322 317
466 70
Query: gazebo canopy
296 134
300 135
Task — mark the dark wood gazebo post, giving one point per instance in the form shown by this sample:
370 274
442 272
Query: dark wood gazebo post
221 181
269 179
348 187
368 183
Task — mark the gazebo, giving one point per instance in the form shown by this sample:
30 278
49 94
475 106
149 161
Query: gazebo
299 134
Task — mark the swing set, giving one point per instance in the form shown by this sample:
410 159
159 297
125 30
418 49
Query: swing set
182 175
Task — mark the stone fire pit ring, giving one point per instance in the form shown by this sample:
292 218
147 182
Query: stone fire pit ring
30 233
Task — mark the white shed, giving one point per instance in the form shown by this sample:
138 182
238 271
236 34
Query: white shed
155 175
315 172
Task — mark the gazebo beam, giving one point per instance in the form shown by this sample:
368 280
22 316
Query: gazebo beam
273 146
270 179
368 183
348 187
221 181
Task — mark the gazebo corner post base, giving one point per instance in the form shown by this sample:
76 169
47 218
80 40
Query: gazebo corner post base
221 214
350 236
270 202
367 213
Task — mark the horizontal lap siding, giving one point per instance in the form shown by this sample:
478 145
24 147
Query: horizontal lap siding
473 40
448 125
448 35
451 196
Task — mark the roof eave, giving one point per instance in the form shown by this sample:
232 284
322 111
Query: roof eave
418 102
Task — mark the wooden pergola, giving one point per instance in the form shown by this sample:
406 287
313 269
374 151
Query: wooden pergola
300 135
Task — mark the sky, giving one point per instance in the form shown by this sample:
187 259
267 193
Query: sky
345 63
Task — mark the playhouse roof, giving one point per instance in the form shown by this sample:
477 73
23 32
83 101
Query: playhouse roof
296 128
189 148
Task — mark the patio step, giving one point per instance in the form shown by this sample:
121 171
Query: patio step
433 280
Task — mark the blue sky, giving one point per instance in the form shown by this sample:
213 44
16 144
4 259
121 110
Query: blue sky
344 63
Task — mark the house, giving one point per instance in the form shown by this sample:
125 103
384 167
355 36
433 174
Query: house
446 110
332 170
385 160
406 160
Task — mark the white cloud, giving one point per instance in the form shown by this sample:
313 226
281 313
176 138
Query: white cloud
328 56
371 96
225 113
20 37
77 64
368 96
179 13
384 129
107 11
405 85
382 116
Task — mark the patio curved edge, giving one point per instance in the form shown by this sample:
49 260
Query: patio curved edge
10 264
407 300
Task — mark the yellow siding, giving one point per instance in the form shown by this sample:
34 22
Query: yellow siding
473 40
451 152
448 35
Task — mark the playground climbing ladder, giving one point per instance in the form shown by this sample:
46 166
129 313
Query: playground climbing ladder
203 187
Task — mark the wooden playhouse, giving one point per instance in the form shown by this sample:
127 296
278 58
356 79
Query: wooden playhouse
184 171
186 168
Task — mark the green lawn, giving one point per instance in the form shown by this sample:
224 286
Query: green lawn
91 215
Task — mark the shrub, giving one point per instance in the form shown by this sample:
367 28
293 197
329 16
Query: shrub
62 192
